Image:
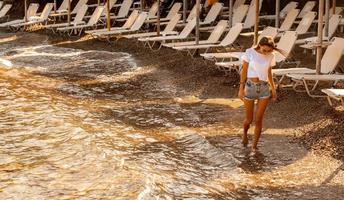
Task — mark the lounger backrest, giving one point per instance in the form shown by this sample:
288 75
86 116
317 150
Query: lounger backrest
238 3
112 3
81 14
251 15
305 23
338 11
131 19
32 10
64 5
140 20
153 10
290 6
213 13
289 20
125 7
46 11
188 28
218 31
78 6
5 9
333 25
332 55
172 23
174 10
193 13
286 44
96 15
269 31
239 14
307 8
232 35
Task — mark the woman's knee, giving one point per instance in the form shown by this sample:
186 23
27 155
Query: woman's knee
259 122
248 121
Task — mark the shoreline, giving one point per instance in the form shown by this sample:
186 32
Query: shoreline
195 78
173 105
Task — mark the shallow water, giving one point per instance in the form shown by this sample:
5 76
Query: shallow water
93 124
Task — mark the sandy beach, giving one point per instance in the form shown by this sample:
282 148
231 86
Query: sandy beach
82 118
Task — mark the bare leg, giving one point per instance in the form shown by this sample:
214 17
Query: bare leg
261 106
249 107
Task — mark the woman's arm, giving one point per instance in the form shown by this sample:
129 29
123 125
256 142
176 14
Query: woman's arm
272 85
243 77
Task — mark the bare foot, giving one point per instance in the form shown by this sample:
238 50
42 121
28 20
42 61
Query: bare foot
254 150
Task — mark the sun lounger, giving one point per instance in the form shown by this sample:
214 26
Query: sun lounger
333 25
150 41
123 11
78 6
238 3
105 12
92 23
304 24
117 33
212 39
289 20
152 13
173 11
77 20
63 12
31 11
34 20
304 79
63 7
211 16
167 31
285 26
191 16
227 42
238 16
129 22
4 10
337 94
251 15
329 63
213 13
308 7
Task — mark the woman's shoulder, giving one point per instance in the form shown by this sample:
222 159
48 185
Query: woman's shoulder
249 51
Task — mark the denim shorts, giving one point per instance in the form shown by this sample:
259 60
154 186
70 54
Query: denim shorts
255 90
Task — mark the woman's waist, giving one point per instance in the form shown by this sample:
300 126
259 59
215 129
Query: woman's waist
256 81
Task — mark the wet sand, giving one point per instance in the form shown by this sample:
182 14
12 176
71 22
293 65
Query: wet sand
188 120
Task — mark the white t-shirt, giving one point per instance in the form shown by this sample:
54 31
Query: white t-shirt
258 64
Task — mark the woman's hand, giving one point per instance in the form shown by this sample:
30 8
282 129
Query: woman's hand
274 95
241 93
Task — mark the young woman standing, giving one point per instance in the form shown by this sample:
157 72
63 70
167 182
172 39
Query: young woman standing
256 82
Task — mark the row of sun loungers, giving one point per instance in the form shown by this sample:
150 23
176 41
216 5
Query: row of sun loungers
221 46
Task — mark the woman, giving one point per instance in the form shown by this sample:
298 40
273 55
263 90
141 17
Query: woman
255 79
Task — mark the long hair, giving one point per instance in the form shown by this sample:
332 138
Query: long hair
269 41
